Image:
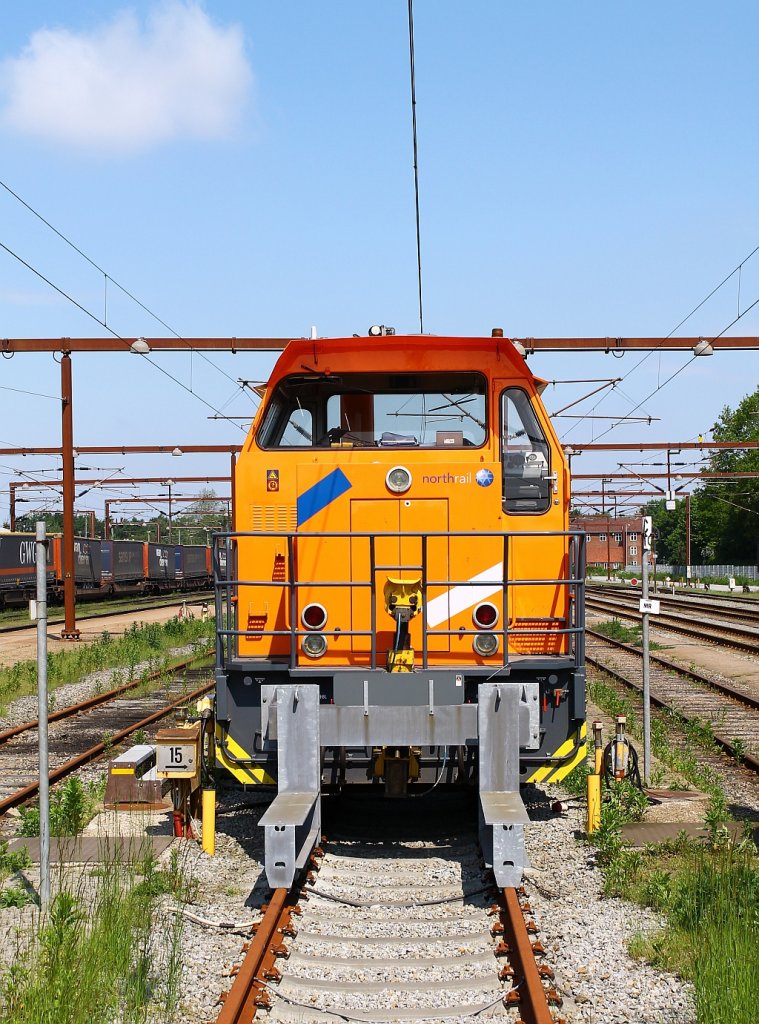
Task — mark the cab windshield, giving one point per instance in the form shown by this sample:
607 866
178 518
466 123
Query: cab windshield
383 410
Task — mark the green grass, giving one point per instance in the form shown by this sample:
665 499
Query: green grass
709 894
615 630
92 609
72 806
707 891
93 957
144 642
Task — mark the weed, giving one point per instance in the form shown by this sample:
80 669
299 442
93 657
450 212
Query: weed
71 807
615 630
10 863
139 736
739 749
15 896
137 644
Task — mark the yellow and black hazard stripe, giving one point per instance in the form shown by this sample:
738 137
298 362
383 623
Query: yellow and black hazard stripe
249 774
575 746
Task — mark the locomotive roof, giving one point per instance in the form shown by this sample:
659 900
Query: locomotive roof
408 352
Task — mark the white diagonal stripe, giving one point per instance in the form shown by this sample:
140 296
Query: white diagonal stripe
458 599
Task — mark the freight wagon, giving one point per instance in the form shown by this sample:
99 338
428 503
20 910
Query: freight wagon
101 568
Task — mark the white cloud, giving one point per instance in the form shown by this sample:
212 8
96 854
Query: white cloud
123 87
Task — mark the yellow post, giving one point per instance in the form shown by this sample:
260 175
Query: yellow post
209 821
594 804
598 747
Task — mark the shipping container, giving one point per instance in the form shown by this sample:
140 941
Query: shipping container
194 561
87 561
18 555
127 561
161 565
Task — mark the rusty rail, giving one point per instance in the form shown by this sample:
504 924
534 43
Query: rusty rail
129 606
101 698
22 795
248 992
527 990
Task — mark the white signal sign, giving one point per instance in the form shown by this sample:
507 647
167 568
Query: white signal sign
176 757
649 605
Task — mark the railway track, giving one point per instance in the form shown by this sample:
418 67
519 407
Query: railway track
392 931
727 607
740 637
128 606
731 713
81 734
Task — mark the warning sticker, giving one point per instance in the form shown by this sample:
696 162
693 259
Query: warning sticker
272 479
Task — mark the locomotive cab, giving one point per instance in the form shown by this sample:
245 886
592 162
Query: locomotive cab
402 600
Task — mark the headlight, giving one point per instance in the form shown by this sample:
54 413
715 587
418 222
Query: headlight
485 644
314 645
398 479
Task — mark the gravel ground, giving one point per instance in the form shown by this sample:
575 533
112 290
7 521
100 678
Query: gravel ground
584 934
25 708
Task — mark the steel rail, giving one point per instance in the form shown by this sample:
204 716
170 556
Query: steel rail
528 991
729 691
747 759
129 607
729 609
248 991
714 634
101 698
22 795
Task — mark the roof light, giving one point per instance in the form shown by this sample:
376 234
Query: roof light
177 451
379 330
703 348
140 347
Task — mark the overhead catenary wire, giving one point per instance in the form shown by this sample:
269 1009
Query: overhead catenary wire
115 334
416 159
737 269
108 277
672 376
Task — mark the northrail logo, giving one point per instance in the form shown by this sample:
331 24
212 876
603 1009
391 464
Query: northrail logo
447 478
484 477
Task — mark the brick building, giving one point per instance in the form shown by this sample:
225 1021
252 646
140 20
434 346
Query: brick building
613 542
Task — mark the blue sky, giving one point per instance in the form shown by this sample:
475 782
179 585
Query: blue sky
245 168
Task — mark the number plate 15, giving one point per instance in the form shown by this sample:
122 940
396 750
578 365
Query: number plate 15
176 757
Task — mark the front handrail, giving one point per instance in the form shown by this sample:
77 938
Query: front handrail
227 584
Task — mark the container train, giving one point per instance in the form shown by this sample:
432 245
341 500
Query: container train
402 601
102 568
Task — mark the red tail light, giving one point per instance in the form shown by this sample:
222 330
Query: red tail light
314 616
485 615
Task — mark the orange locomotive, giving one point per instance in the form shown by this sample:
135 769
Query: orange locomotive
404 599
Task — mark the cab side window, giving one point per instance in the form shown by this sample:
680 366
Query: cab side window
525 456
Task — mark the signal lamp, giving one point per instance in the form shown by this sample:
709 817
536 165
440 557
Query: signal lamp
398 479
314 645
485 615
485 644
314 616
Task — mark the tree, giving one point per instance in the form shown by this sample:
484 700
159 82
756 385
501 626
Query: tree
728 511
